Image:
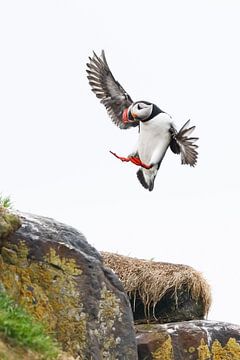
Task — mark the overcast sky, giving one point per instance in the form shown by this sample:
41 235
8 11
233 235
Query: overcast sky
56 136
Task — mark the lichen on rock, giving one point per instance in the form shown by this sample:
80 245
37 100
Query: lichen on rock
47 293
229 351
9 222
165 351
109 312
67 265
203 351
51 270
189 340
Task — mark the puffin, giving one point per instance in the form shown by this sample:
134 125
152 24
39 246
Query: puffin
156 130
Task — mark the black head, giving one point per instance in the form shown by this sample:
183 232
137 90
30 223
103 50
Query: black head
143 111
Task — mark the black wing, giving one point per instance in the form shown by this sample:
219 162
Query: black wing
106 88
182 144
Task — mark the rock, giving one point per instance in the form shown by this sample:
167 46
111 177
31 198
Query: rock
161 292
51 270
189 340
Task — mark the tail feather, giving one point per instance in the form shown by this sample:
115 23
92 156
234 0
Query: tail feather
184 145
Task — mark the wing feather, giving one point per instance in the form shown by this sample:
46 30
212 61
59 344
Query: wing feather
108 90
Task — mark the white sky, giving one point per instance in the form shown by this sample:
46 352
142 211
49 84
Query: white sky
55 135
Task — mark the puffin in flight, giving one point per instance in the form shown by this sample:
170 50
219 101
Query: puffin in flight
156 130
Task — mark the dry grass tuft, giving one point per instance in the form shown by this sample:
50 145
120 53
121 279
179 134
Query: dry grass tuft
152 280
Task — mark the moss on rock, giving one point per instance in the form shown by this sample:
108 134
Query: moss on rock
9 222
47 293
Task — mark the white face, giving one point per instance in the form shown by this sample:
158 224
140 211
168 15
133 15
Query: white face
141 111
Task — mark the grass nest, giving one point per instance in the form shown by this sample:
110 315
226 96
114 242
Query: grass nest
152 281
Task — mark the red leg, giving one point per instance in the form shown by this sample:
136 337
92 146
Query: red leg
120 157
135 160
138 162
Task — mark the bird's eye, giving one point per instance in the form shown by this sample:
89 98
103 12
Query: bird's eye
139 107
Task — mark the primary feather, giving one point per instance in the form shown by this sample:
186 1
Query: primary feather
108 90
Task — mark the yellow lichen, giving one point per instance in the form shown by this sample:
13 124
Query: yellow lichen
164 352
191 349
9 256
15 254
203 351
67 265
46 292
230 351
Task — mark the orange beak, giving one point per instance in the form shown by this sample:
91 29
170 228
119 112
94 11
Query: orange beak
125 116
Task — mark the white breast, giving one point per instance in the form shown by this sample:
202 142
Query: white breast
154 138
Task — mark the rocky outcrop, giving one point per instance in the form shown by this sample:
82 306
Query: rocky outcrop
189 340
51 270
161 292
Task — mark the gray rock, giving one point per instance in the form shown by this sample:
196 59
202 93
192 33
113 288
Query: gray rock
189 340
51 270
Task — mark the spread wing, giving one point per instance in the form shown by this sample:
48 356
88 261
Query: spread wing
108 90
184 145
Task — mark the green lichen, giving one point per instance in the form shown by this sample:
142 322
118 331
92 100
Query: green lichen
49 294
9 222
